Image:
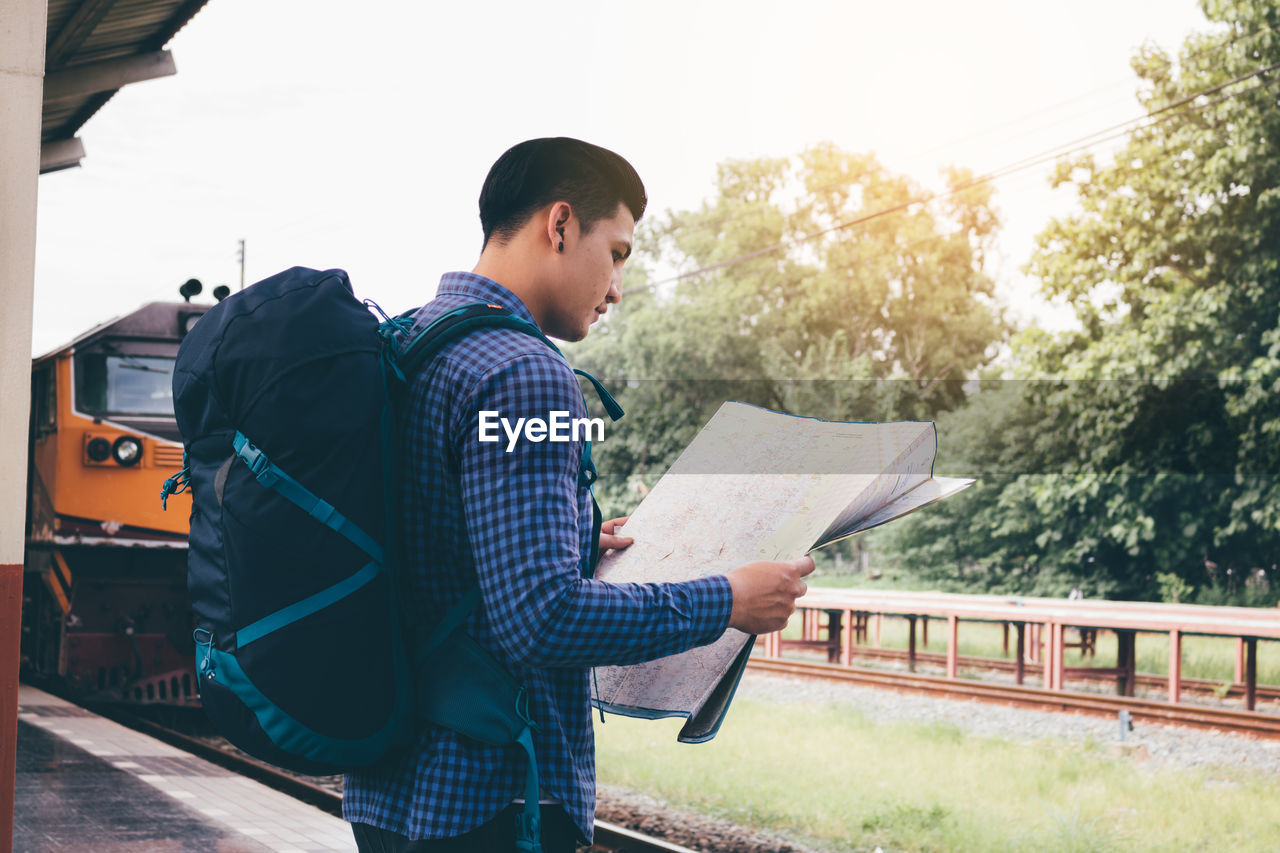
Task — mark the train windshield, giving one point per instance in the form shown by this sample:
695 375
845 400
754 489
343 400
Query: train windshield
124 385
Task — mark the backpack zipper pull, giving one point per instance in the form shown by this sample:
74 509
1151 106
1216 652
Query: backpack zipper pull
205 666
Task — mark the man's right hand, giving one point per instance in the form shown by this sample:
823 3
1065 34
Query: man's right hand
765 593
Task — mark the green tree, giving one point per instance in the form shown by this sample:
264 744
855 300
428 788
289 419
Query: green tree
877 320
1161 416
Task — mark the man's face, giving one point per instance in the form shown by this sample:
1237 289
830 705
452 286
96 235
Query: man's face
591 270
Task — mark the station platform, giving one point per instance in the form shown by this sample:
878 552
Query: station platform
87 783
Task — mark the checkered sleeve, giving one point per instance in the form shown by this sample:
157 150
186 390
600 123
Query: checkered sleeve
522 515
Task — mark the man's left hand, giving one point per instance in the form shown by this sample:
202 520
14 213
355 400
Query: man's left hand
609 538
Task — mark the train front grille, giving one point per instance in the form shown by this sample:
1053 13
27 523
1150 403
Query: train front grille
165 456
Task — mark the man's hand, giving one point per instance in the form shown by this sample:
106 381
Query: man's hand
765 593
609 538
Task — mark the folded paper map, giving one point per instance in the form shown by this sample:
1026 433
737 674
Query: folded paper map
755 485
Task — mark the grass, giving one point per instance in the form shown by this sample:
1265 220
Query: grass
829 777
1202 657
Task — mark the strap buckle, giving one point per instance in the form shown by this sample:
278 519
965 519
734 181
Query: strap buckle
253 457
257 461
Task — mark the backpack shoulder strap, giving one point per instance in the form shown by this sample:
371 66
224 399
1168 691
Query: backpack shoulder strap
454 324
420 348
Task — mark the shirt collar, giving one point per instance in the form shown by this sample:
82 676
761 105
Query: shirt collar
478 288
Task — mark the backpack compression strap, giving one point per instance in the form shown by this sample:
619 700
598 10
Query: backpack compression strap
272 477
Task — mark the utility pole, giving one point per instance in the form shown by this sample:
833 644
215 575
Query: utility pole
240 257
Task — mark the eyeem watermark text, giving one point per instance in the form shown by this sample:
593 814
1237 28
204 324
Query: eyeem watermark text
558 427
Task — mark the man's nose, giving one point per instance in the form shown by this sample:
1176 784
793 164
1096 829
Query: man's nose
615 289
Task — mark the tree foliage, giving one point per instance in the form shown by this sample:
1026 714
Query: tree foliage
875 320
1155 434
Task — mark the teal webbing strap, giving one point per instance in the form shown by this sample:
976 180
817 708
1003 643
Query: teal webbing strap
283 730
451 620
597 522
586 468
462 320
272 477
587 474
611 406
529 821
307 606
457 323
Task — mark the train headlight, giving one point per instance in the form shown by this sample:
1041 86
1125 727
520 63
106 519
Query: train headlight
127 450
187 322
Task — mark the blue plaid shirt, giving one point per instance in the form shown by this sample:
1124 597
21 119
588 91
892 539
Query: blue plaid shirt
520 524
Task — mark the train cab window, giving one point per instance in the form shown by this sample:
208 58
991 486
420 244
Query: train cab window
108 384
44 401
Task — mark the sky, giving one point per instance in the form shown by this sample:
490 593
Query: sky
357 135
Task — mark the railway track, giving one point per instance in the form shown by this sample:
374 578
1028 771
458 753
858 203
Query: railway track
1221 719
1205 686
612 838
609 837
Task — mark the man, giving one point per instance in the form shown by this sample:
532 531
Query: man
558 216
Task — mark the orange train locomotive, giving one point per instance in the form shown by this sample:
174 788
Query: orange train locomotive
105 608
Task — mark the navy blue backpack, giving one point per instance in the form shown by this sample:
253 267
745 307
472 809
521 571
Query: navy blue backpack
286 395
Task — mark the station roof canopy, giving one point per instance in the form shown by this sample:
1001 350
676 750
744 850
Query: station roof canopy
92 49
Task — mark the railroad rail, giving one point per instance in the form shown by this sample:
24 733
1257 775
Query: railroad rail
1221 719
609 837
1206 686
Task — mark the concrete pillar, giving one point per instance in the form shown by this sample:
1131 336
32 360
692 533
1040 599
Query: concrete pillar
22 35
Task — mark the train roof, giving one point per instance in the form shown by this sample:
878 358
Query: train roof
155 321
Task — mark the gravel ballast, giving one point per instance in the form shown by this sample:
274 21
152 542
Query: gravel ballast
1151 743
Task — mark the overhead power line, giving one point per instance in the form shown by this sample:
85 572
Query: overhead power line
1212 47
1134 123
1143 122
1204 50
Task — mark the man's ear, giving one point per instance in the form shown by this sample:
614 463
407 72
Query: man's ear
558 217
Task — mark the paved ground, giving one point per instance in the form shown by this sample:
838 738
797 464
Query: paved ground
86 783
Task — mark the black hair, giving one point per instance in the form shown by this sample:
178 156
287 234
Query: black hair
538 172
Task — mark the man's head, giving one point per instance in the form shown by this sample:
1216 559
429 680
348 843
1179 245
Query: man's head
536 173
558 217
